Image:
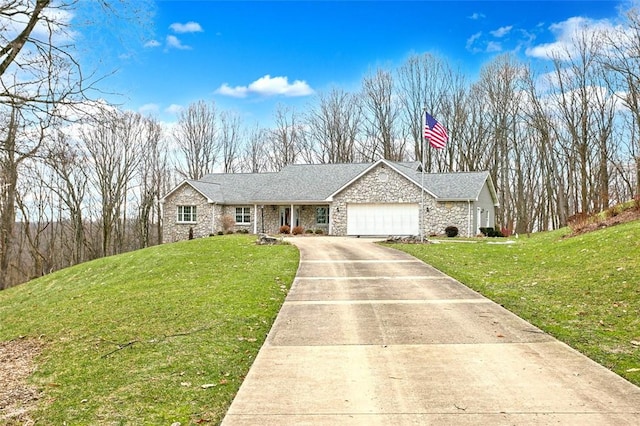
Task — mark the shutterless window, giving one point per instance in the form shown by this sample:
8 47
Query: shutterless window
243 215
322 215
187 214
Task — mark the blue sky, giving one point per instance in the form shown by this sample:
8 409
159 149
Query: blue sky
248 56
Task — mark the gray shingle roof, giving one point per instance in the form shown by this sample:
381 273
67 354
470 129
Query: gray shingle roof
461 186
317 182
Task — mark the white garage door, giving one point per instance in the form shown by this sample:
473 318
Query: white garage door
382 219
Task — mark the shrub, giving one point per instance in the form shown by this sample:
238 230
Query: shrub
285 229
220 233
578 221
612 211
309 231
228 222
297 230
319 231
451 231
486 231
242 231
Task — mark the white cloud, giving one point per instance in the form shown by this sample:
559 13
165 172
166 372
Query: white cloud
234 92
475 16
174 109
280 86
152 44
502 31
174 42
189 27
472 40
566 34
494 46
148 109
268 86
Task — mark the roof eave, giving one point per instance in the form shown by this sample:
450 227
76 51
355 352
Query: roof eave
285 202
186 182
456 200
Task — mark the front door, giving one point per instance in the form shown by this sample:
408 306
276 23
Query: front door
285 216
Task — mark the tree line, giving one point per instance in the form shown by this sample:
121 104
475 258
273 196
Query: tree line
81 179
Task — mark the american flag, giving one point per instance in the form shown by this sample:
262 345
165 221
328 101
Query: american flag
435 132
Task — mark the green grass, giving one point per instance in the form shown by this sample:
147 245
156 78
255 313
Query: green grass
131 339
584 290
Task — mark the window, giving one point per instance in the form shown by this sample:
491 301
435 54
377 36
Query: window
322 215
243 214
187 214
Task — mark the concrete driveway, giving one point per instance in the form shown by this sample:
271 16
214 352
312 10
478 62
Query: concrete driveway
372 336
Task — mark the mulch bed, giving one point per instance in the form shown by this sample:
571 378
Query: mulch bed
17 396
593 224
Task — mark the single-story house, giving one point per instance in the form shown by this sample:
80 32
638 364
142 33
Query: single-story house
383 198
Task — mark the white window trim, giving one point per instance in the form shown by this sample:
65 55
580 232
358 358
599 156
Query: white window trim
193 212
243 215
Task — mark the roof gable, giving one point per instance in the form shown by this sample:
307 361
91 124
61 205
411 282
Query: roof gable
202 188
401 168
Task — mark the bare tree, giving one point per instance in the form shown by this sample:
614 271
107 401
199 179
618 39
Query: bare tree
284 138
473 131
41 81
196 135
229 140
25 16
254 156
578 79
153 179
499 85
22 137
70 185
424 81
114 142
620 55
552 196
380 118
37 221
333 126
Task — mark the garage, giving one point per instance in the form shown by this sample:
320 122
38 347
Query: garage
383 219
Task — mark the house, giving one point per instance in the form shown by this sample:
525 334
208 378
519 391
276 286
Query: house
367 199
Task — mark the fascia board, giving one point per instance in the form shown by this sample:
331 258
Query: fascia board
186 182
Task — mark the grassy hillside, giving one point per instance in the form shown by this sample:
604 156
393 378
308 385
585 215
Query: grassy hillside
155 336
584 290
166 334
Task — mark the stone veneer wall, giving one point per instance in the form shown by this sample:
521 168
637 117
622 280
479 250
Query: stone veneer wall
271 218
449 213
308 219
370 188
186 196
385 185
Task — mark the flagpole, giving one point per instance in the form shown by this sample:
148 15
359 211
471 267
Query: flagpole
422 149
